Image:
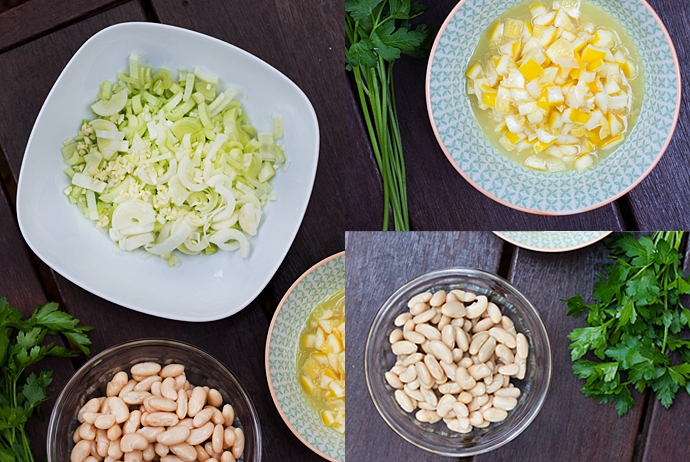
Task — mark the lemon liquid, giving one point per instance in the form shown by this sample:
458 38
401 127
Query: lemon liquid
588 13
310 360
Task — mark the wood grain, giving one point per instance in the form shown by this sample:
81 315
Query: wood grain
238 341
30 20
440 199
31 70
660 202
377 264
570 426
20 285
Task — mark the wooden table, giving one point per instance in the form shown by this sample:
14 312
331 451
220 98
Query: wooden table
570 426
440 199
38 38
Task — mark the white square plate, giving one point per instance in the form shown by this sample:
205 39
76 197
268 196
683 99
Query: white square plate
203 287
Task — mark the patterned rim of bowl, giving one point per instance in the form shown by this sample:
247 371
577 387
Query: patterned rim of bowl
317 283
512 185
552 241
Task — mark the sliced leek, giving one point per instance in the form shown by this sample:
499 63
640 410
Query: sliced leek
172 165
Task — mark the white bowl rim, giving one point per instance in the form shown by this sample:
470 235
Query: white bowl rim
158 341
194 316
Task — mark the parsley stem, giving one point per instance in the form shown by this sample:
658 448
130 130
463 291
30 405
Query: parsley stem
377 33
663 345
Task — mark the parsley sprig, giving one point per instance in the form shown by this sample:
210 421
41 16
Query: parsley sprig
635 327
21 345
378 32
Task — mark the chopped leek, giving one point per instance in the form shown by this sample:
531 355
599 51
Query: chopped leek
172 165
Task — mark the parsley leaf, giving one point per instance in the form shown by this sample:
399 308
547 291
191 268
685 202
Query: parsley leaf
22 345
635 324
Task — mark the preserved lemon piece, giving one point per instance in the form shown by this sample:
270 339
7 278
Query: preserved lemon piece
556 86
321 361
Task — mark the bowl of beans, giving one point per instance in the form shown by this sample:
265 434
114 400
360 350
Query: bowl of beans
458 362
154 399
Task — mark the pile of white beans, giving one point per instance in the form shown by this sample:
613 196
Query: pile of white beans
157 415
456 353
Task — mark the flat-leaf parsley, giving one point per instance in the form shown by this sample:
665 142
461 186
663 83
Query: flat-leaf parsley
21 345
634 325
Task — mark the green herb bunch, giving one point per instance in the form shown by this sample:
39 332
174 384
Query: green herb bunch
21 345
378 32
636 323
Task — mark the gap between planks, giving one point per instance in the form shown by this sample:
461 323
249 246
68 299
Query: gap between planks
38 18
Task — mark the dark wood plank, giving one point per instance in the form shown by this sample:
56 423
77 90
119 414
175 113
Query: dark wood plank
660 202
237 341
284 38
668 427
30 20
32 69
377 264
439 198
21 286
570 426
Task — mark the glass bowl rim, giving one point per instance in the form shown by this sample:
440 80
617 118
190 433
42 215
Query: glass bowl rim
539 328
152 341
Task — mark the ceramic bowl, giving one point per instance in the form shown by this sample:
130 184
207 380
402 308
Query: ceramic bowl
203 287
317 284
552 241
513 185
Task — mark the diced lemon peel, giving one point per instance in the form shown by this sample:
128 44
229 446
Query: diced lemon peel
321 360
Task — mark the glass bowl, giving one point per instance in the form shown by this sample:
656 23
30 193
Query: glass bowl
437 438
201 369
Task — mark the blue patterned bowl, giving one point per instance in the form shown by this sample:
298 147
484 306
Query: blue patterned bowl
319 282
510 184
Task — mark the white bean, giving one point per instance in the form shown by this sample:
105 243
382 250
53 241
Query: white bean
424 317
438 299
423 298
238 447
441 351
145 369
476 309
428 331
201 434
418 308
454 361
174 435
80 451
172 370
494 415
503 336
403 347
522 346
196 401
505 402
454 310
